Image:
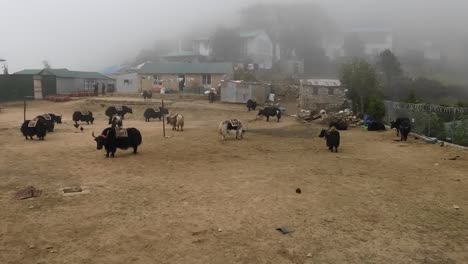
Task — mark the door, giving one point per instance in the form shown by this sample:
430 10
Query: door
37 88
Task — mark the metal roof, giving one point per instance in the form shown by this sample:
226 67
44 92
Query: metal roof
186 68
322 82
29 72
64 73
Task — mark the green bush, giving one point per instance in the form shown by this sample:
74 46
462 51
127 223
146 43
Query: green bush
376 107
460 136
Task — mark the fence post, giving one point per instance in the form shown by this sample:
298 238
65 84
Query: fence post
453 126
429 126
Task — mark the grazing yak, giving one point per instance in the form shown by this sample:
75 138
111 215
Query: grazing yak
32 128
396 124
147 94
405 129
56 118
118 110
332 136
156 112
177 121
270 111
111 140
50 120
340 125
251 104
228 126
85 116
376 126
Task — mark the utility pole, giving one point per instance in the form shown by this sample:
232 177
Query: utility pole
164 118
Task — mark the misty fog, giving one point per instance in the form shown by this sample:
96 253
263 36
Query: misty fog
91 35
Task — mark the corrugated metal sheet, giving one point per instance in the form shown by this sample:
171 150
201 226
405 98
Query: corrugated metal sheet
16 87
240 92
64 73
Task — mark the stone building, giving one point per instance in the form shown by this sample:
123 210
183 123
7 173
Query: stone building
317 94
197 76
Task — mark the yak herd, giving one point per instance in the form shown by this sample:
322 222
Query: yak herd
116 137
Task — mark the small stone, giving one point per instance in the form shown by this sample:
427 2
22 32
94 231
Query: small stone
49 247
53 251
32 246
31 207
456 207
436 164
309 255
220 230
298 191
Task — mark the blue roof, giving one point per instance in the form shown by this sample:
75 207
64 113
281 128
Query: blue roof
113 69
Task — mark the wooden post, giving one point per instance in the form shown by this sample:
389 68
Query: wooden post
24 109
164 118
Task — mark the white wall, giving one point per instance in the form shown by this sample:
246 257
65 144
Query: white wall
260 50
377 48
127 83
69 85
204 49
65 85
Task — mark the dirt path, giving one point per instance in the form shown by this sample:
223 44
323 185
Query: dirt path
192 199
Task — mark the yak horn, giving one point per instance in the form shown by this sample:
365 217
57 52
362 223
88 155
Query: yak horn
93 135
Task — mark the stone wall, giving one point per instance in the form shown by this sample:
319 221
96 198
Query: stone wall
322 99
285 90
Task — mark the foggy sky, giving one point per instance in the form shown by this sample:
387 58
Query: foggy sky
93 34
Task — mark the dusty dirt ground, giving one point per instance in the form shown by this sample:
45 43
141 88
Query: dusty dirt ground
191 199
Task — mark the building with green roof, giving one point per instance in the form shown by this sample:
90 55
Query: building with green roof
64 81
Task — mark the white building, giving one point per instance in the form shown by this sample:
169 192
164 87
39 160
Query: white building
257 48
375 42
202 47
127 82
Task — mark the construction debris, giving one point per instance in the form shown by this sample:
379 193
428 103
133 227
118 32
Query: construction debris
345 118
28 192
454 158
72 189
285 230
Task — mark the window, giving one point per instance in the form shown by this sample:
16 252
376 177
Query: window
89 85
315 91
330 91
206 79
